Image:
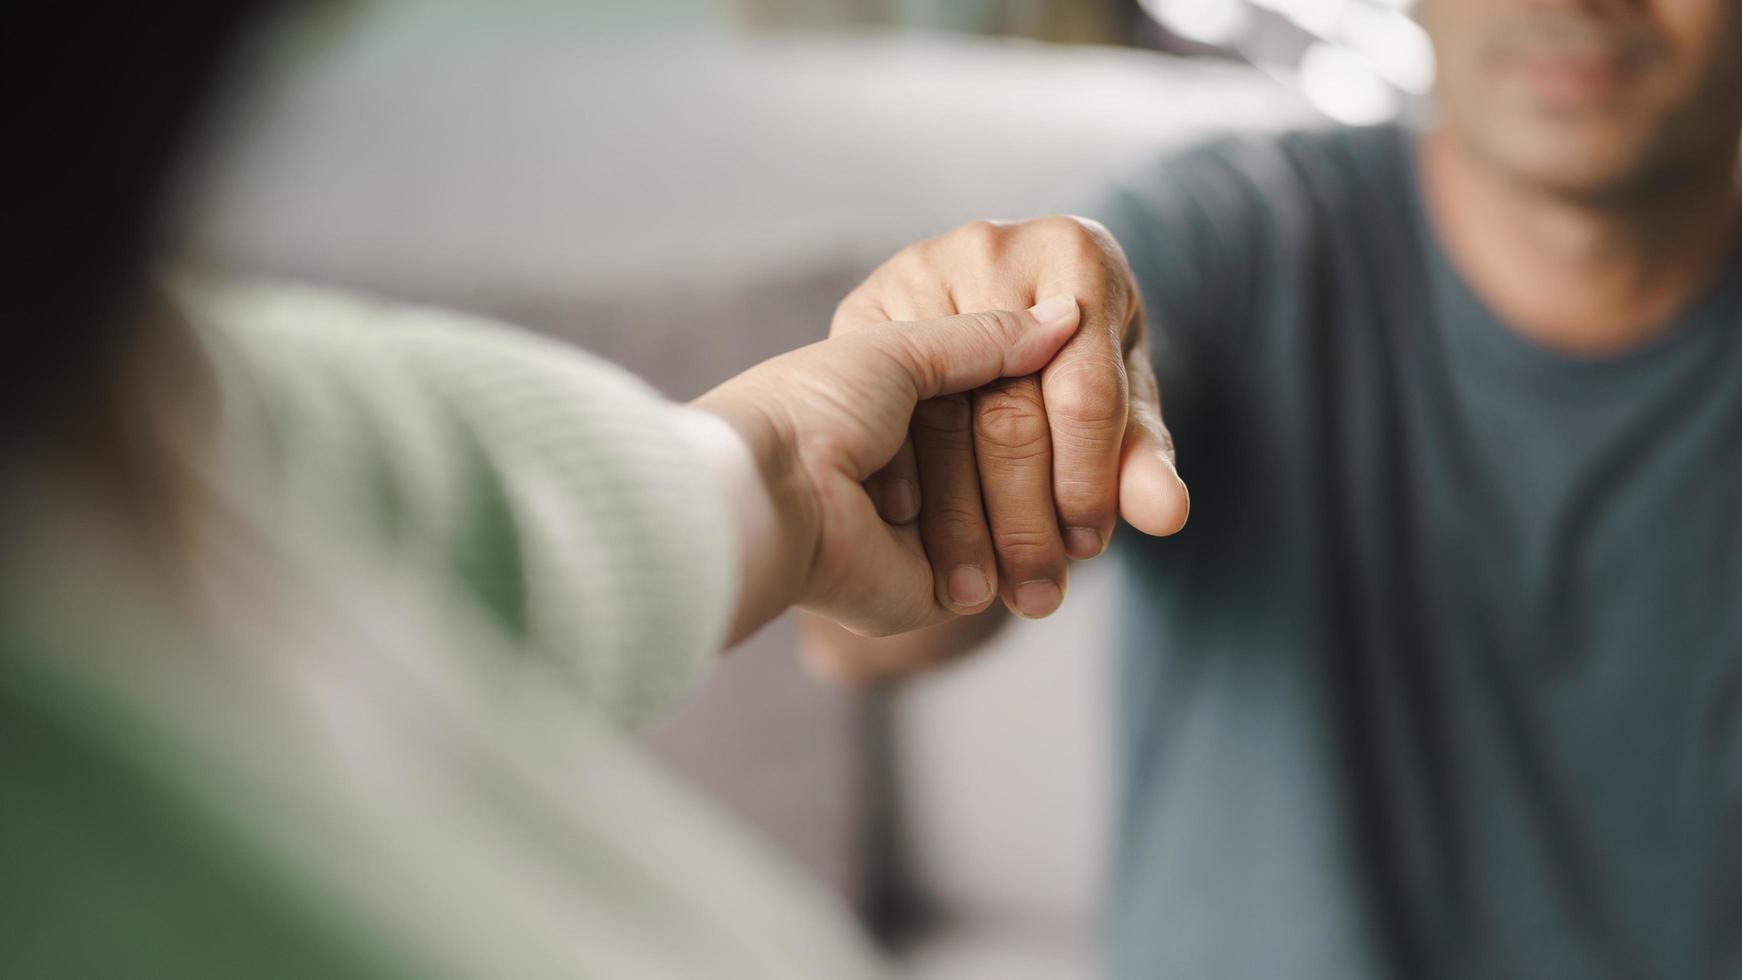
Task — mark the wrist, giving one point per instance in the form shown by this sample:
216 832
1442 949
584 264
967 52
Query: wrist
772 501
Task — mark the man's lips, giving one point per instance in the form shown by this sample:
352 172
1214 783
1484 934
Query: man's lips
1573 80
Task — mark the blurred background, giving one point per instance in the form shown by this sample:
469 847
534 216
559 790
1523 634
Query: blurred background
688 187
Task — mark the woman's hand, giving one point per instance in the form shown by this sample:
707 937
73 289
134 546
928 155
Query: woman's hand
820 421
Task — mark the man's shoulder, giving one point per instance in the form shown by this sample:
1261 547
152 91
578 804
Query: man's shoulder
1212 228
1245 189
1292 161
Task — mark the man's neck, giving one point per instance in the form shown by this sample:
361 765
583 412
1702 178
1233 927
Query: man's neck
1584 277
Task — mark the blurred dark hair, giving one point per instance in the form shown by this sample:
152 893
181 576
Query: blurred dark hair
103 98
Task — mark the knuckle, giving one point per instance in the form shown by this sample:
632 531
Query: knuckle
1094 229
1026 547
1063 225
1005 458
1070 236
1090 392
1085 447
1010 420
954 528
982 240
1085 501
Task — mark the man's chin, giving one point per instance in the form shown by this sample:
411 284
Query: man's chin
1562 160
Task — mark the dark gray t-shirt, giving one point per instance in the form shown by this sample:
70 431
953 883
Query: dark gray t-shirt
1445 676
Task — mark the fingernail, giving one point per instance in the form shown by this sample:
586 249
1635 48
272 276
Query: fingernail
900 501
1082 543
968 586
1051 311
1037 599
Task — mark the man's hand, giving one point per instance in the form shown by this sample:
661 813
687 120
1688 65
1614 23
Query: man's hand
1009 480
821 420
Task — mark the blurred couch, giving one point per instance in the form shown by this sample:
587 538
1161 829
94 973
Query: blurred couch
690 205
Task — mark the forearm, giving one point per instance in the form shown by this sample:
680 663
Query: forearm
552 492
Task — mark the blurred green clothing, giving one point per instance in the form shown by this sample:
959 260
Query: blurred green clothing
440 567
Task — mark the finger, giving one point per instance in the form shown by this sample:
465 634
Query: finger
958 542
953 528
1152 497
1013 450
958 353
896 487
1086 387
959 539
1021 521
883 580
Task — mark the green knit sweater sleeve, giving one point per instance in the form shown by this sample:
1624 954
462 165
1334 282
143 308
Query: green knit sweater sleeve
549 488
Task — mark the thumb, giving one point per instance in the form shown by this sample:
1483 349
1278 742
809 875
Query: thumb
960 353
1152 497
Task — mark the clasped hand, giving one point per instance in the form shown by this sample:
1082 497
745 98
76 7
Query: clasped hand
954 441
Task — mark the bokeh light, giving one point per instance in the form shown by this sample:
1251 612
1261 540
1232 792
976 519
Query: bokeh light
1356 61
